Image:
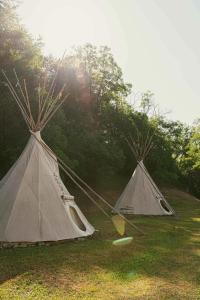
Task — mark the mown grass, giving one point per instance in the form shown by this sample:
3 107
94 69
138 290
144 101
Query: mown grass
162 264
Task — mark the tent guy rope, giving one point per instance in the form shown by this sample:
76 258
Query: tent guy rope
64 167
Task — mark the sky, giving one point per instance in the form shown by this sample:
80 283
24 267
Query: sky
155 42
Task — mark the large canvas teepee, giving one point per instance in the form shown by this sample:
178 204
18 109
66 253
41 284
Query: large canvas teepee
141 195
34 203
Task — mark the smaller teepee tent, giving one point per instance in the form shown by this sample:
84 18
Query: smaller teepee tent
35 205
141 195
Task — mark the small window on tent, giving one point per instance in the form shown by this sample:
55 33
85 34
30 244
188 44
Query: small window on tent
164 206
77 220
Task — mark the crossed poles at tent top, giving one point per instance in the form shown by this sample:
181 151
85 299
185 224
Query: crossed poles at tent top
141 146
47 104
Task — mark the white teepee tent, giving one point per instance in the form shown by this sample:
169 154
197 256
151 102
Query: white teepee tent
34 203
141 195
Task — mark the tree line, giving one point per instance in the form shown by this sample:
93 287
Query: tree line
89 132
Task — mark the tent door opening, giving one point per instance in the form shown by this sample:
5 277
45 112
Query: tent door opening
164 206
77 220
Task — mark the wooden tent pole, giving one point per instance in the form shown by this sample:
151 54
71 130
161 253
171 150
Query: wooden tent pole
52 105
51 86
53 113
28 101
16 98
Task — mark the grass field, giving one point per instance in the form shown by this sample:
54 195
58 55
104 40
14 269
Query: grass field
162 264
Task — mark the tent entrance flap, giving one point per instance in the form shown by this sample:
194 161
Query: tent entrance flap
76 219
164 206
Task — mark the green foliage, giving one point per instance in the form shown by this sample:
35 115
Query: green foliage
90 130
18 51
189 162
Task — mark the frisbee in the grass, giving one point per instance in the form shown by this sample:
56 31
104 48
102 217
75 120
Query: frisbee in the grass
123 241
119 224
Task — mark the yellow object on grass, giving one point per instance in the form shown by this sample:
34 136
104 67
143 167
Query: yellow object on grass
119 224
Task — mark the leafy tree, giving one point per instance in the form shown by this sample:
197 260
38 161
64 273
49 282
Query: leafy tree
19 51
190 161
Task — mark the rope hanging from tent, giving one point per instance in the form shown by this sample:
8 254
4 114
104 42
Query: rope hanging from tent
69 172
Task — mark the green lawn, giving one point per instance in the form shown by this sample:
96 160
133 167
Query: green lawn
163 264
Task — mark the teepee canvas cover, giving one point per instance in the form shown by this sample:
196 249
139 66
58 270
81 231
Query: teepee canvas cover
142 196
34 203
